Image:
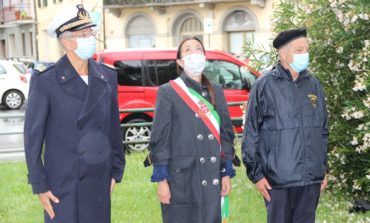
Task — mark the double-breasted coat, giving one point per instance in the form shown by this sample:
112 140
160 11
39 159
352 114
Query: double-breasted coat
181 140
78 126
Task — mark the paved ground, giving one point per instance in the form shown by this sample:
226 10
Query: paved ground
11 134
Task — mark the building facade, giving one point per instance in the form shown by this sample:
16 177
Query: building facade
17 29
49 49
220 24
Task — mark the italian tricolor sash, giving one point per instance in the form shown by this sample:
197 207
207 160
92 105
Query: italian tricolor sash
199 105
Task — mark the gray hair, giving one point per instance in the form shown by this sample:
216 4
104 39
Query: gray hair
65 34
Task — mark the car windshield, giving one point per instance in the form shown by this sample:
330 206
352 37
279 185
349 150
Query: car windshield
21 68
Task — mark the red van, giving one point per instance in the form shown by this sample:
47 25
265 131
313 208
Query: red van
141 71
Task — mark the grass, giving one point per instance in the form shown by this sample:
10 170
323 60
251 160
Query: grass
135 201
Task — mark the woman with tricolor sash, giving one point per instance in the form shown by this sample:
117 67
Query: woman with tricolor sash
191 142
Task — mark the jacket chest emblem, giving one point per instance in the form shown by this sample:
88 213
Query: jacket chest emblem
313 99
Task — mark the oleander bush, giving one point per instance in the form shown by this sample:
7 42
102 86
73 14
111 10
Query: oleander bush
339 36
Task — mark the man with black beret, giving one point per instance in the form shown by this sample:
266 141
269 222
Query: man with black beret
286 134
72 131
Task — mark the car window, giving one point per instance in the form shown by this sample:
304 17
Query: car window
21 68
129 72
227 74
2 70
161 72
247 75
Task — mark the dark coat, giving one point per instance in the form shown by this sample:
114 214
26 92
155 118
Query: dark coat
286 130
182 141
83 151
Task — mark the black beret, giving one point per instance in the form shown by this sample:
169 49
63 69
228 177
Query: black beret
287 36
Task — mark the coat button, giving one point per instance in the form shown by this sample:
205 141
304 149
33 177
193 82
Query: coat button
215 182
211 136
213 159
204 93
196 115
63 77
204 183
200 137
202 160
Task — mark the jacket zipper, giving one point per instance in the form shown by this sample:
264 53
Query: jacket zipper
303 137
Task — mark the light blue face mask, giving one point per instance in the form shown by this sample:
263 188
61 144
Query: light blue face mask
300 62
86 47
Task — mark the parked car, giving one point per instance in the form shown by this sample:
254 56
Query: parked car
140 72
32 64
14 84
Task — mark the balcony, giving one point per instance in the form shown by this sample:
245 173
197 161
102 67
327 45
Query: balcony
20 13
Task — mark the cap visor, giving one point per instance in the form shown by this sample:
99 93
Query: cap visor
84 26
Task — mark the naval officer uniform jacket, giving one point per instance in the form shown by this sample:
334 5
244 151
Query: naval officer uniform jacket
78 126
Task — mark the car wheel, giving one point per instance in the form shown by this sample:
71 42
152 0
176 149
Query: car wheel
139 133
13 99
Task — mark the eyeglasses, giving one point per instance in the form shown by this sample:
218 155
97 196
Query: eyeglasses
83 35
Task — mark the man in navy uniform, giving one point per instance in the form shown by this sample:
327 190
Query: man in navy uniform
72 118
286 134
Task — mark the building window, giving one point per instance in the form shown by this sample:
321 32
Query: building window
140 33
2 48
42 3
240 27
191 27
187 25
23 44
31 43
12 46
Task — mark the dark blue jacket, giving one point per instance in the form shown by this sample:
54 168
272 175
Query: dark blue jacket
78 126
286 130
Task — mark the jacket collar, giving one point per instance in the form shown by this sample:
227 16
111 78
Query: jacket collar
66 72
98 85
92 94
280 72
192 83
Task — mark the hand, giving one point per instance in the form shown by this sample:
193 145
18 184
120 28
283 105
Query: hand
324 183
112 184
163 192
226 185
45 201
263 185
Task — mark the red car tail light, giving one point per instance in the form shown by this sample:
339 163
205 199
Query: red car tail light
23 78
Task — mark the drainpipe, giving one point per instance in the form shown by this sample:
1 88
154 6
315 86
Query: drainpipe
103 28
36 30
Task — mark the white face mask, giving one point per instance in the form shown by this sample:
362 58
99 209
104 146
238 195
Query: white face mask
86 47
194 64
